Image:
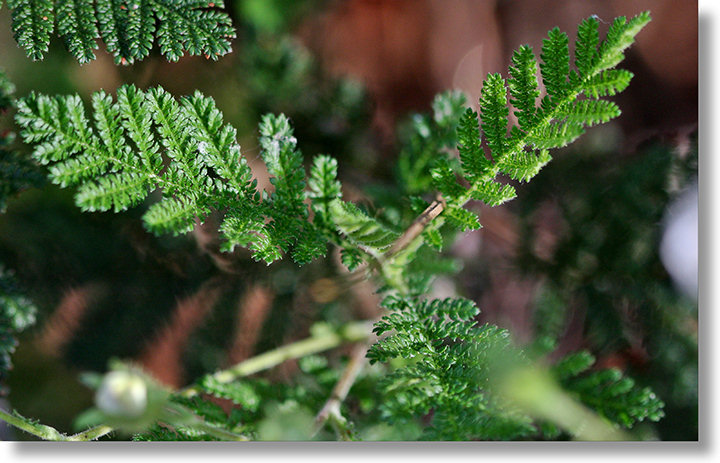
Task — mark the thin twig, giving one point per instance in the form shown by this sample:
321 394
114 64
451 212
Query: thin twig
352 332
343 283
331 409
417 227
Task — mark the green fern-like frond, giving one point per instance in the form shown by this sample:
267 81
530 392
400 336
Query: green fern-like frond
493 103
524 166
447 353
32 24
77 25
324 188
494 193
289 226
586 47
128 27
287 174
570 105
555 66
116 160
472 157
615 396
523 86
589 112
444 179
620 36
462 218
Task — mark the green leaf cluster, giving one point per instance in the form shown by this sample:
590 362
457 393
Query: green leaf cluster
447 362
616 397
118 161
147 141
128 27
443 348
428 139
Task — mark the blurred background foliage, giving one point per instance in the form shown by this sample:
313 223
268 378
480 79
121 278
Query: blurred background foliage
575 258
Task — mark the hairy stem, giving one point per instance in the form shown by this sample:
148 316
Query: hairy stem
36 429
91 434
49 433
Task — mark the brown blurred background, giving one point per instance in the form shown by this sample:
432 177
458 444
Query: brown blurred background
406 51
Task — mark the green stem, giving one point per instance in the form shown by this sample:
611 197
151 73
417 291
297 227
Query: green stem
36 429
91 434
534 390
219 432
352 332
331 409
49 433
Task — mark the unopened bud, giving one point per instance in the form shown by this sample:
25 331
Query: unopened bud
122 393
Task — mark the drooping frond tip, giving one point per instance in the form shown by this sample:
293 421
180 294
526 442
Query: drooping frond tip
128 27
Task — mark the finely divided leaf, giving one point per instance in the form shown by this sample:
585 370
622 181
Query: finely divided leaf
589 112
524 165
77 26
607 83
32 23
523 86
472 156
619 37
493 104
586 46
359 227
555 66
128 28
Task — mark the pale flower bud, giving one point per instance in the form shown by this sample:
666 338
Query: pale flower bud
122 393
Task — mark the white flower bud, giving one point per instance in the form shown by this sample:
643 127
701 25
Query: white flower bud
122 393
